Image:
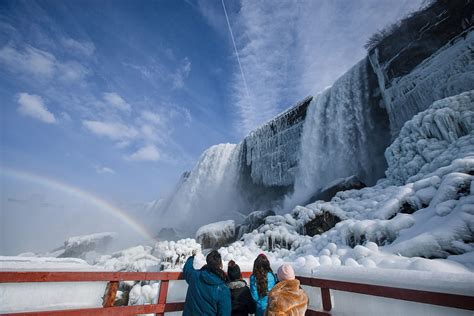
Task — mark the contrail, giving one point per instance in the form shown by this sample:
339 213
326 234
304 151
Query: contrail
236 52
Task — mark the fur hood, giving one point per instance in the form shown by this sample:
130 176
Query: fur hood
237 284
287 298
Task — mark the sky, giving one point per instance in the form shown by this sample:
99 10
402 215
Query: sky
104 104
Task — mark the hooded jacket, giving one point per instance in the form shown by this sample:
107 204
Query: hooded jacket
287 298
261 302
207 294
242 302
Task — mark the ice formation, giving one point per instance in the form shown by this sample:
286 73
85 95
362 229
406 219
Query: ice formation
447 72
341 136
217 234
272 150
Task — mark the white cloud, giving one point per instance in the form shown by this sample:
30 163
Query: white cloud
152 117
71 71
181 73
30 61
212 12
82 47
41 64
103 170
116 101
147 153
114 131
65 116
32 105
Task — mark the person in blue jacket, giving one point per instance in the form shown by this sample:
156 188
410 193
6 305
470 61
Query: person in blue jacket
208 294
262 281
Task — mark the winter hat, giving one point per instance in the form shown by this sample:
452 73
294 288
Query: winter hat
233 271
285 272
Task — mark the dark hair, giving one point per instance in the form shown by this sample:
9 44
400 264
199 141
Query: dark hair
261 267
214 264
233 271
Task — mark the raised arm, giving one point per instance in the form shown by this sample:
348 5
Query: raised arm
188 269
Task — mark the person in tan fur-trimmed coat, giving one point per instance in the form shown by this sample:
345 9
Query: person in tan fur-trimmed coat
287 297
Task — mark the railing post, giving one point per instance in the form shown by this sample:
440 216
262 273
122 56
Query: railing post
326 298
110 293
163 293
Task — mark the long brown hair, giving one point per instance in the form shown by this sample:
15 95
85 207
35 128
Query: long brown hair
261 267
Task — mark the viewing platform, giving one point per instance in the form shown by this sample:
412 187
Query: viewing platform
327 297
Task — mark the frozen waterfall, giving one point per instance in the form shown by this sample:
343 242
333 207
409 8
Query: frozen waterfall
344 134
210 190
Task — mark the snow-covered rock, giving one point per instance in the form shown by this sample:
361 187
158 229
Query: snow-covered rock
216 235
253 221
87 246
344 184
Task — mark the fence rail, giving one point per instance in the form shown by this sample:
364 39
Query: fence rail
113 278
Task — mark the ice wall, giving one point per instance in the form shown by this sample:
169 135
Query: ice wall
272 151
344 134
209 192
449 71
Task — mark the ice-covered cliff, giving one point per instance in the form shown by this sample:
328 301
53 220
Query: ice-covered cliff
449 71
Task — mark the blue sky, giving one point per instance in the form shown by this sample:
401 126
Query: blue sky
118 98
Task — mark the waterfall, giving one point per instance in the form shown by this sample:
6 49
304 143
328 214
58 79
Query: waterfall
209 192
344 134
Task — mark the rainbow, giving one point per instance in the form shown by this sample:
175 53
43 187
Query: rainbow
102 204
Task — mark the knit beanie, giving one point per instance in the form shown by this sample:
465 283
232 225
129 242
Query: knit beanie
285 272
233 271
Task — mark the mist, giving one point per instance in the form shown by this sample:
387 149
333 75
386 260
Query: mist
38 219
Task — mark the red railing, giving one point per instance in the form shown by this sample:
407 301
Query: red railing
113 279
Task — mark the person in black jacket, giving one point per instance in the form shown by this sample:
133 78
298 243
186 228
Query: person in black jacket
242 302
